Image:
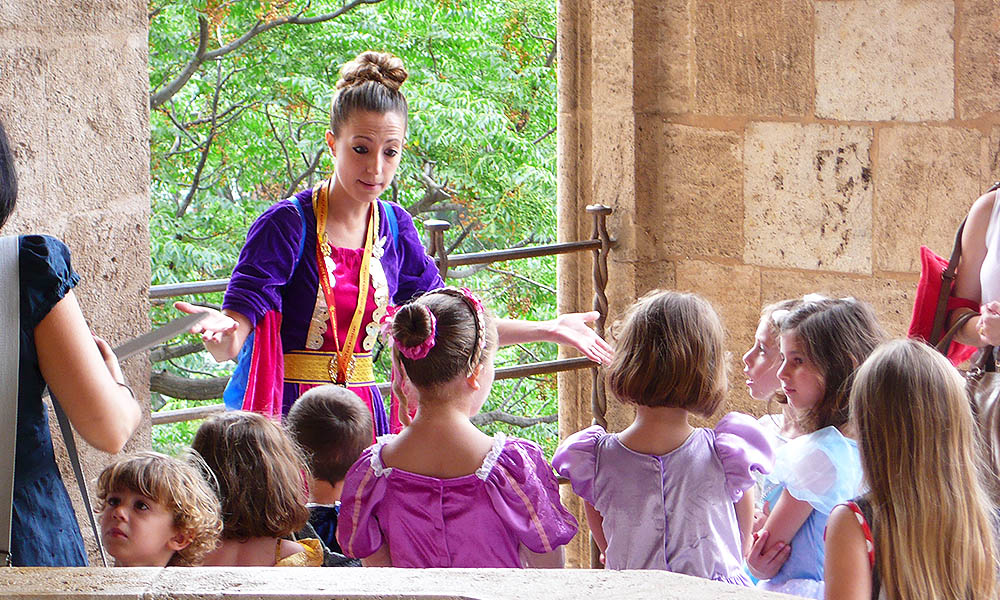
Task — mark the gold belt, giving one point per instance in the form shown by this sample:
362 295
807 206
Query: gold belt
317 367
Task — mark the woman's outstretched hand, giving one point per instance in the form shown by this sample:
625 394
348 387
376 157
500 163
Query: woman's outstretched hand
219 332
572 329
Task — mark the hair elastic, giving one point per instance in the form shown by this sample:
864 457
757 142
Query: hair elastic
420 350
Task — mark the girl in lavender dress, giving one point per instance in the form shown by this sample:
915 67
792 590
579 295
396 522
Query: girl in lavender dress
442 493
663 494
822 343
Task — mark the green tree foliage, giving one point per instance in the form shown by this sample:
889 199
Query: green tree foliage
240 96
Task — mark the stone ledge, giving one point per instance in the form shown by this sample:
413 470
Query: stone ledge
501 584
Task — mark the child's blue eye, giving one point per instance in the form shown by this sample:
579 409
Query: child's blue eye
140 505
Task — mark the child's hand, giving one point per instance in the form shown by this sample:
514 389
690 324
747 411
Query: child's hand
759 518
765 565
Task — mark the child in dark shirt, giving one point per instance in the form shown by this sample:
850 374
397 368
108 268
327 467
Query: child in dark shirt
333 426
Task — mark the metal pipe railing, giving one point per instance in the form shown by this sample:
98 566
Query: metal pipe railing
600 244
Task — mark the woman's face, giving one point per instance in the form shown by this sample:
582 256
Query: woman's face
367 152
761 362
801 380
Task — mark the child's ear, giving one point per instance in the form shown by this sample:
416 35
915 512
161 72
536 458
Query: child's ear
180 541
473 377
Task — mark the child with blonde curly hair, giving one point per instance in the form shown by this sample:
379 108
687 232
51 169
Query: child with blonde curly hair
156 511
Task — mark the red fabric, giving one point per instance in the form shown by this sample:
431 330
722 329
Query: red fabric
267 369
925 304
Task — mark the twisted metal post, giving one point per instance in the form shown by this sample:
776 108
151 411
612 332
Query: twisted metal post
435 229
598 395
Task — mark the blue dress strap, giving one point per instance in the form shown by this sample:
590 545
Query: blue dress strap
390 218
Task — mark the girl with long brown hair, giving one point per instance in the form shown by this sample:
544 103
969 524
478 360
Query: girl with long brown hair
924 528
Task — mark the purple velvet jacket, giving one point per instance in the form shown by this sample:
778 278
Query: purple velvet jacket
274 285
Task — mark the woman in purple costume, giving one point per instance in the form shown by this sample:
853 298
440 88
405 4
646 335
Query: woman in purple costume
293 325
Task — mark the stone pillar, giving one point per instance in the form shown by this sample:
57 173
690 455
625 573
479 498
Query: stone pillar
74 98
760 150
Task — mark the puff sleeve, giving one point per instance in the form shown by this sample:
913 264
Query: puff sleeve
822 468
46 276
576 460
266 262
743 448
358 531
525 494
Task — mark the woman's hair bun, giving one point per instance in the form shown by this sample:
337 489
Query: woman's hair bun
411 325
380 67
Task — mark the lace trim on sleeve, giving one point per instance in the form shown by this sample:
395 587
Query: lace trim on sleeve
376 458
499 439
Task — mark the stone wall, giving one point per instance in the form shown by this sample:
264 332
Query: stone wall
274 583
763 149
74 98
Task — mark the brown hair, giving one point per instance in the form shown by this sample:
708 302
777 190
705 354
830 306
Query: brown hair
258 470
837 335
370 83
176 484
925 473
774 315
333 426
670 353
453 318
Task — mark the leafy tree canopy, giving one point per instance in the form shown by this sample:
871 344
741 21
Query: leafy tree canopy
240 94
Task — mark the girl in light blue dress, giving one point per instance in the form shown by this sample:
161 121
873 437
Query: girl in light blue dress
822 342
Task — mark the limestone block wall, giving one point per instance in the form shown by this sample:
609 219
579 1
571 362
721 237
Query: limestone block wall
74 98
763 149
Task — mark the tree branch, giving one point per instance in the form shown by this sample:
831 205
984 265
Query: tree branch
552 53
461 237
167 92
462 273
219 81
544 135
434 192
201 56
185 388
499 416
542 286
310 169
166 352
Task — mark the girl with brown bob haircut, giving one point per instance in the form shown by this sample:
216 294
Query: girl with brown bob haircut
259 472
670 353
670 363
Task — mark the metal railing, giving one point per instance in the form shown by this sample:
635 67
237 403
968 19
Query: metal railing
600 243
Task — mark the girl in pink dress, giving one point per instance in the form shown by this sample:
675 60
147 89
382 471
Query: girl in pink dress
442 493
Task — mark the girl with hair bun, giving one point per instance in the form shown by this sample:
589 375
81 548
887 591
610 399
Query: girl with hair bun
319 271
442 493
